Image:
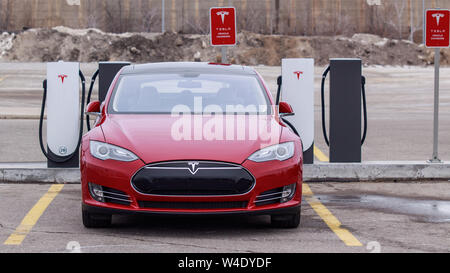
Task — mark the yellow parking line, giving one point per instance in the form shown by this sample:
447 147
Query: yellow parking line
33 216
320 155
332 222
306 190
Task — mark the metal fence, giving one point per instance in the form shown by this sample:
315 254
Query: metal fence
391 18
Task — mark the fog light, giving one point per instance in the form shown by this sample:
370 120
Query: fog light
288 193
96 192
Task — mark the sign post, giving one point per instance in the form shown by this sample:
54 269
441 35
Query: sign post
223 28
437 36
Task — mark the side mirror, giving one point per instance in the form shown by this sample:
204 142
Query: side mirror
93 109
285 109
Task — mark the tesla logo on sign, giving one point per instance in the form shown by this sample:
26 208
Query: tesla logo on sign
437 28
298 73
223 26
193 167
222 14
62 77
438 16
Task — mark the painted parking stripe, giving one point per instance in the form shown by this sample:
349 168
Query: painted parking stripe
33 216
320 155
4 77
332 222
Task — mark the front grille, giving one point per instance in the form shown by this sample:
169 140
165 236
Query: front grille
116 196
269 197
193 205
193 178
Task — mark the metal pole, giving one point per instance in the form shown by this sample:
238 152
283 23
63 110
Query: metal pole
437 61
163 16
411 20
224 55
423 22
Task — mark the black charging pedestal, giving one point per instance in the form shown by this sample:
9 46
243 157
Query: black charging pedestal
345 110
107 72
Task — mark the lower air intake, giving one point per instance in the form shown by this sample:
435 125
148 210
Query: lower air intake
269 197
193 205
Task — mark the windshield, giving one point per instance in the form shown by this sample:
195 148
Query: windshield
189 93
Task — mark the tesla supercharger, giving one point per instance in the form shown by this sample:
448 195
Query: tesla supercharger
62 100
106 73
297 89
347 99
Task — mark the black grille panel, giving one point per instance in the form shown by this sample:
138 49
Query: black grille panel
193 205
187 178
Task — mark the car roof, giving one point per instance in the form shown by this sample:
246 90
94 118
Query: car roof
195 67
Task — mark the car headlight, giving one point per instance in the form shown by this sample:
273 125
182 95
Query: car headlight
279 152
104 151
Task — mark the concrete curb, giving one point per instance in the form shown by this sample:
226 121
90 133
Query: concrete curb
332 172
377 171
31 117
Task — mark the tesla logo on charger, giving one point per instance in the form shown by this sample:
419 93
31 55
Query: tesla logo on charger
62 77
193 167
298 73
223 14
438 17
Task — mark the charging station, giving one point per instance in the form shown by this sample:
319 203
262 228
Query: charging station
347 89
297 89
64 118
107 72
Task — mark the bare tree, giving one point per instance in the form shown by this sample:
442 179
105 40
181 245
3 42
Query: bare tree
92 14
150 18
399 7
6 15
114 15
415 26
254 20
277 16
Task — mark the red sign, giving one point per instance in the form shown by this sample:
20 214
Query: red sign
223 26
437 32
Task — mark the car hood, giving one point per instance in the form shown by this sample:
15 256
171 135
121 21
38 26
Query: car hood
150 137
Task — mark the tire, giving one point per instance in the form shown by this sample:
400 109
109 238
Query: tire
91 220
286 220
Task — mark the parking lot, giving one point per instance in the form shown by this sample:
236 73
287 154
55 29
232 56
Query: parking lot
336 217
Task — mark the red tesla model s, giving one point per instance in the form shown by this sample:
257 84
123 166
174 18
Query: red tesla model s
190 138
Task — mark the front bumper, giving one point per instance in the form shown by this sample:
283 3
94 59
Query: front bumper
117 175
116 211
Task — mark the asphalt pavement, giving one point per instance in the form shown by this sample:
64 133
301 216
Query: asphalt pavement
336 217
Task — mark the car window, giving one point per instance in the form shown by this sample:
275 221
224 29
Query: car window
189 93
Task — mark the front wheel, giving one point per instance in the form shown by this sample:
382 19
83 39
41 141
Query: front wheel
91 220
286 220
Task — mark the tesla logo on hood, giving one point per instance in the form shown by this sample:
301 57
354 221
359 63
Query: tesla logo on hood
193 167
62 77
298 73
